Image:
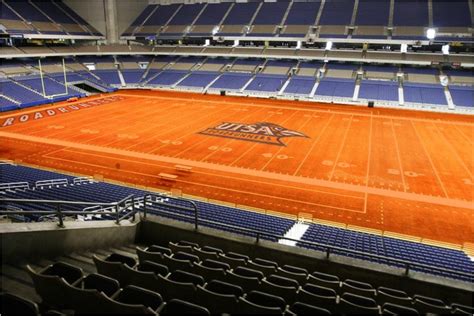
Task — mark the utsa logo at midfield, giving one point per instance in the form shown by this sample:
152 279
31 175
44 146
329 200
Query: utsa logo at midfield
261 132
45 113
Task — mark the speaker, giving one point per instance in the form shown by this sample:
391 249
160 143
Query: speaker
371 104
222 92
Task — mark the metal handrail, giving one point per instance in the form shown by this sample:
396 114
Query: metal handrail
408 265
60 213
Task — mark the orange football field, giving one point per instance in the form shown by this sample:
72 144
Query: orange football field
407 172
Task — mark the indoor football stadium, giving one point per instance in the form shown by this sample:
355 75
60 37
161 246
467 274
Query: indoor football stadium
292 157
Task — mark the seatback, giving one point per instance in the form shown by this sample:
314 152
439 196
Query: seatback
136 295
265 269
67 271
180 307
209 273
203 255
288 293
302 278
174 264
247 283
186 277
425 304
217 303
15 305
147 280
232 262
116 257
224 288
145 255
177 247
265 299
247 272
101 283
356 304
393 296
394 309
319 296
149 266
247 307
113 270
305 309
158 249
170 289
359 288
49 287
325 280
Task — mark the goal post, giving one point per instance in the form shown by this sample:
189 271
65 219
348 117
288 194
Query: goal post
43 86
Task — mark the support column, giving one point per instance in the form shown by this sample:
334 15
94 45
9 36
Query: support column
111 21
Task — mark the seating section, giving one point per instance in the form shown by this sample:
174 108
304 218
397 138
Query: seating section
462 96
180 278
370 19
386 91
44 17
229 219
388 247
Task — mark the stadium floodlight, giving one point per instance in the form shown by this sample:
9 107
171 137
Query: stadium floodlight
404 48
328 45
445 49
430 33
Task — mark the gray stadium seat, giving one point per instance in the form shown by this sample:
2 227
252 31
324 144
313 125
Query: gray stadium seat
325 280
136 295
459 308
247 307
265 269
203 255
68 272
247 283
153 256
186 256
220 287
301 276
186 277
209 273
425 304
149 266
180 307
215 264
101 283
393 296
306 309
170 289
115 257
288 293
356 304
247 272
174 264
212 249
217 303
11 304
113 270
177 247
232 262
160 249
319 296
359 288
394 309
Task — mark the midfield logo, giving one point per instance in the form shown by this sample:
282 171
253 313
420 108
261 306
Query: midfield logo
261 132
